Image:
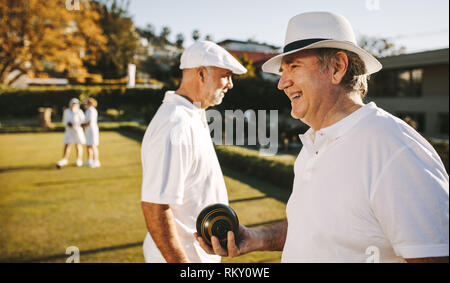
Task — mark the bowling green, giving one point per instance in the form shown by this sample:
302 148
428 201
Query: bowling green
44 211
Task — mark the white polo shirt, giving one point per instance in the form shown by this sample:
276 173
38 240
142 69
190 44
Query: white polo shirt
180 168
368 187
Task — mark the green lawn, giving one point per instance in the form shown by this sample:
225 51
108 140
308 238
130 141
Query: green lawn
44 210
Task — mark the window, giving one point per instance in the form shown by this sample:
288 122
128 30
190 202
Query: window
396 83
414 119
443 123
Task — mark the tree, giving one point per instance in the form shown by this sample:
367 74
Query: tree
123 39
148 32
165 32
195 34
248 64
380 47
33 33
179 40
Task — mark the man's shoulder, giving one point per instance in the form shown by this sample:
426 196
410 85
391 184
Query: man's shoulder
384 130
169 119
173 115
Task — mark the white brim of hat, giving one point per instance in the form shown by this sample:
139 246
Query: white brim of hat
372 64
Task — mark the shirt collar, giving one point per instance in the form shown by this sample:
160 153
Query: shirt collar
339 128
194 108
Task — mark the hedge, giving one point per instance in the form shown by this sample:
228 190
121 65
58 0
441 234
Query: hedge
24 103
250 93
272 169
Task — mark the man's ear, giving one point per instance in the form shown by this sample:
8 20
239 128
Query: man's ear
201 72
339 67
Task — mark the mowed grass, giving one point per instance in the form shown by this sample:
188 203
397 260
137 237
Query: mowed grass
43 210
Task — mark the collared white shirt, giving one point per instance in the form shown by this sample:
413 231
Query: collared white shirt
367 188
180 168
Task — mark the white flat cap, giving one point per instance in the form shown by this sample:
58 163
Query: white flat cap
74 101
207 53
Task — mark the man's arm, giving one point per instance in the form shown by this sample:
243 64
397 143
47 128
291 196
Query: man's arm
267 238
161 225
443 259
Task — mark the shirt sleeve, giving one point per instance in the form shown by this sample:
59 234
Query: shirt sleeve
411 202
65 119
166 160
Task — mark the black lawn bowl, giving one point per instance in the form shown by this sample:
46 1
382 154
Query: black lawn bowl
217 220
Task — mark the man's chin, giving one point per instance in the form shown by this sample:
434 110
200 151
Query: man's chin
297 116
217 101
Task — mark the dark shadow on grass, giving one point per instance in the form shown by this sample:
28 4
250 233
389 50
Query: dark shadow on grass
132 135
85 180
268 189
82 252
247 199
28 167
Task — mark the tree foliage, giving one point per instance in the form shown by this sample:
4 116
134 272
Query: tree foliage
122 37
34 32
380 47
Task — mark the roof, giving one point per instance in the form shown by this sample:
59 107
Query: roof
255 57
226 41
420 59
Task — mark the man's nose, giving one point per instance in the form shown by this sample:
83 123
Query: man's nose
284 81
230 83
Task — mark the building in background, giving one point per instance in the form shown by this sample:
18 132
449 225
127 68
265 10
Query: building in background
256 52
415 87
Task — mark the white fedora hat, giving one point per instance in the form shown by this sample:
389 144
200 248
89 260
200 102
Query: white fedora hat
320 30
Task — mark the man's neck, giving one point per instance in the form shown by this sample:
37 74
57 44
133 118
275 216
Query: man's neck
345 105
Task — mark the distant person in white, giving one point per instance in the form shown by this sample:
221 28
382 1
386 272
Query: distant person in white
181 173
92 132
367 187
73 118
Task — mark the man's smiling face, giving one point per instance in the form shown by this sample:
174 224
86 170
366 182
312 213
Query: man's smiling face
305 84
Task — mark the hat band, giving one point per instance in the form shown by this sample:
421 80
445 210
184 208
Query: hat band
301 43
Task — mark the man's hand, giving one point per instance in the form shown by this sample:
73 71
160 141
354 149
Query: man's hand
247 242
268 238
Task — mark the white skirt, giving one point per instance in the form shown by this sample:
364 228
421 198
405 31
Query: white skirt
92 136
74 135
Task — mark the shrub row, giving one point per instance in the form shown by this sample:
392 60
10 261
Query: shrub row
25 103
249 93
274 169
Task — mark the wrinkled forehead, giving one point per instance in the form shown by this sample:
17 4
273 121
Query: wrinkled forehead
299 56
288 59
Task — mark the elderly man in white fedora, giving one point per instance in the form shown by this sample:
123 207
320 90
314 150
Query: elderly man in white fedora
367 187
181 173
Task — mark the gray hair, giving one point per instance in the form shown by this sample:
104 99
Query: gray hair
355 78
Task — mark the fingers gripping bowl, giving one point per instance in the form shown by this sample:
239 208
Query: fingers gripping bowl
216 220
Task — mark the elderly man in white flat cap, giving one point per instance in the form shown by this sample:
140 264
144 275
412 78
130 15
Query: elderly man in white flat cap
367 187
181 173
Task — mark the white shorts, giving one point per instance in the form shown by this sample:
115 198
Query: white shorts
74 135
92 136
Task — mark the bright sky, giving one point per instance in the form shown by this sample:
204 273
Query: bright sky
416 24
